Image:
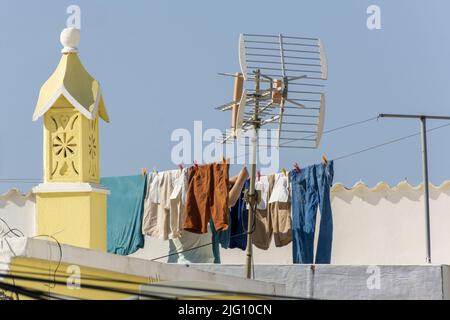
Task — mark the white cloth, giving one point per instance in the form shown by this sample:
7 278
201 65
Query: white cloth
180 185
163 208
281 189
153 187
178 202
262 185
189 240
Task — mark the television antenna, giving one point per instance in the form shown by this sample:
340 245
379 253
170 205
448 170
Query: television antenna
281 86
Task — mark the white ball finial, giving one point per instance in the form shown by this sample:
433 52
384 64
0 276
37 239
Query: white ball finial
70 38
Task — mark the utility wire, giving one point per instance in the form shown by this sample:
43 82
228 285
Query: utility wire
367 148
24 276
157 295
387 143
345 126
59 259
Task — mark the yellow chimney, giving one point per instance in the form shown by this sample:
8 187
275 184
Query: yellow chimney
71 205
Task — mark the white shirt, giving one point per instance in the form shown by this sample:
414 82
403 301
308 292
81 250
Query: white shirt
262 185
281 190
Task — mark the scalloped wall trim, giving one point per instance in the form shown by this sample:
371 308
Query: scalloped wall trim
383 186
337 187
14 192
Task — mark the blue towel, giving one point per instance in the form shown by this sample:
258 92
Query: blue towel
125 210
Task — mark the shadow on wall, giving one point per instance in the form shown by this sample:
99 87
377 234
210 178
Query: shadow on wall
15 198
383 191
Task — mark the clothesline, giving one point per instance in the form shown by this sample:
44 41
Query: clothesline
366 149
178 205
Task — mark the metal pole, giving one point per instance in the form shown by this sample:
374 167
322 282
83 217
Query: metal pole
251 192
423 121
426 195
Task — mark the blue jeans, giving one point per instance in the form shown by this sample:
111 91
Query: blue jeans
238 222
311 190
235 236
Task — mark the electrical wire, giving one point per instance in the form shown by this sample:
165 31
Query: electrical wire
11 230
55 281
60 256
246 232
3 236
157 295
20 180
387 143
345 126
85 286
253 227
367 148
15 255
196 247
34 294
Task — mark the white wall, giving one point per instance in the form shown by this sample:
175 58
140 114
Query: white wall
19 211
333 282
386 225
379 225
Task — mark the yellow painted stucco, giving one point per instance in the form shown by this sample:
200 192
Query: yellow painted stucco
66 280
63 279
72 104
71 148
72 80
75 218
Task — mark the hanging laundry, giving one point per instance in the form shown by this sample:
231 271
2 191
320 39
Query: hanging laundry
219 239
239 221
164 204
178 202
237 183
310 190
273 212
222 238
207 197
200 244
124 215
262 236
280 210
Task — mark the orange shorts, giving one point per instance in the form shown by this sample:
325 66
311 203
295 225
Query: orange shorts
207 197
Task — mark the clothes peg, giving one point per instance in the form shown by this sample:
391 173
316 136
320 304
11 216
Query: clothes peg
284 171
155 171
258 174
143 172
223 159
180 166
297 168
195 164
324 160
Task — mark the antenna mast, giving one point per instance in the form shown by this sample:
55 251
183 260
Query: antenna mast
264 102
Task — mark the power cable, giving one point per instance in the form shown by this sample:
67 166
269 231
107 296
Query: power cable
387 143
345 126
158 295
11 230
60 256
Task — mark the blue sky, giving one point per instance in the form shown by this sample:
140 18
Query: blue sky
157 62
